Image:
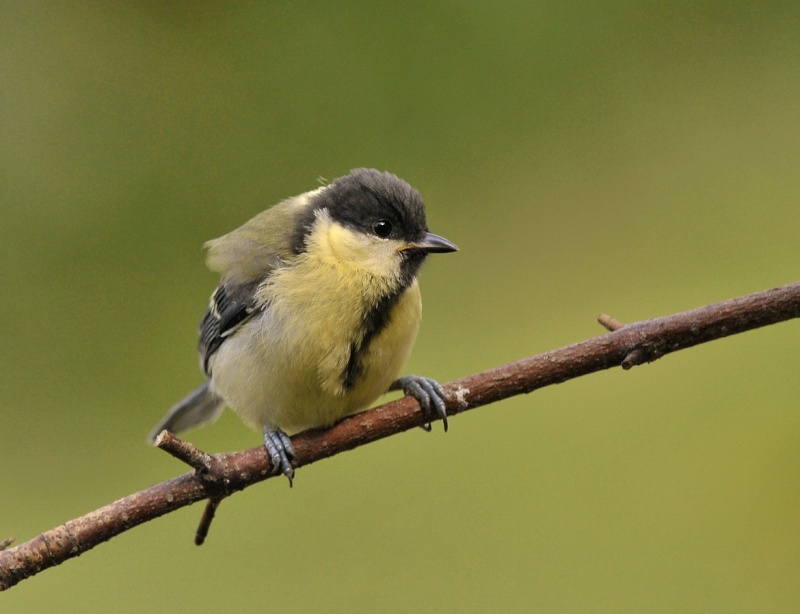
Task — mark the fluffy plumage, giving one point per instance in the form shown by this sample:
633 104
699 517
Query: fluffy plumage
317 309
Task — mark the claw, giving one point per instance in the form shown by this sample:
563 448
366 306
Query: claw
280 451
428 392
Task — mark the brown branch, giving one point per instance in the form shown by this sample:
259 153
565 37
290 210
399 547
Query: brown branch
218 476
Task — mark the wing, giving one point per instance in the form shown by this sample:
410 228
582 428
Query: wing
229 308
262 244
244 258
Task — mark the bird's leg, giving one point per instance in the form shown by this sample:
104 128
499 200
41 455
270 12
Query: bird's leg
428 392
280 451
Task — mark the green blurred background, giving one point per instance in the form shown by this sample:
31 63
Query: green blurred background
635 158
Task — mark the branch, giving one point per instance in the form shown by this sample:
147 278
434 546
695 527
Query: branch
218 476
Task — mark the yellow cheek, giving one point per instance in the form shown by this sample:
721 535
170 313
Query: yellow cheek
339 246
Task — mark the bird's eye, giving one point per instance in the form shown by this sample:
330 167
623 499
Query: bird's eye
382 228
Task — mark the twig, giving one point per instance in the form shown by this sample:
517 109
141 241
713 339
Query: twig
205 521
635 343
208 469
202 463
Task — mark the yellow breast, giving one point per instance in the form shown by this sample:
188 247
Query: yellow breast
314 319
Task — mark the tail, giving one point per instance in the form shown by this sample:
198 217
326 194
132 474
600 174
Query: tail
196 409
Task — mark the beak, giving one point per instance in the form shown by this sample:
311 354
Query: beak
431 244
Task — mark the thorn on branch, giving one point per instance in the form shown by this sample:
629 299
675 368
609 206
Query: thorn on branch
6 543
636 356
610 324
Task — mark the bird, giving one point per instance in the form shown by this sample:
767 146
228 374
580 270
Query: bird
316 312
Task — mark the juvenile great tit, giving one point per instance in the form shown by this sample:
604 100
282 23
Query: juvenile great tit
316 312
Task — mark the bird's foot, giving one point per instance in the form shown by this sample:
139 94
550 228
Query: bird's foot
280 451
428 392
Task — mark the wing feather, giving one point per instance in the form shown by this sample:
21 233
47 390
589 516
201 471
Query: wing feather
224 315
